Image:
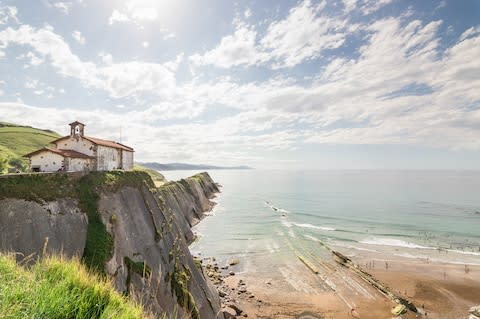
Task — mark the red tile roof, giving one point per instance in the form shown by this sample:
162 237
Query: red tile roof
64 153
113 144
99 141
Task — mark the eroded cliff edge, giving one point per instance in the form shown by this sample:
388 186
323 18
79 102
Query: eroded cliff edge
121 225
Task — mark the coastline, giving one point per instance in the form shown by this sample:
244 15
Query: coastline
268 232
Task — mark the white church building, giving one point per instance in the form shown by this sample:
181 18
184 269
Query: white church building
77 152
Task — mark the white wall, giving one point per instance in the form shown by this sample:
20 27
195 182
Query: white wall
82 145
108 158
127 160
79 164
48 161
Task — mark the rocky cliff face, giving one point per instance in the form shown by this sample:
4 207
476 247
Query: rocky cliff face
122 225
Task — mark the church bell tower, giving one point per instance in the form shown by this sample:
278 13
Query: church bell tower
77 129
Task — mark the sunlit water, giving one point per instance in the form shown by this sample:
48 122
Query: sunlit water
277 214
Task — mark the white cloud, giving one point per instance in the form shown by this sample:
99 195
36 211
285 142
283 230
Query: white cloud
233 50
473 31
107 58
247 13
349 5
365 6
168 35
352 91
31 84
303 35
145 44
119 79
33 59
144 14
8 14
371 6
173 65
441 5
117 16
134 11
77 35
63 6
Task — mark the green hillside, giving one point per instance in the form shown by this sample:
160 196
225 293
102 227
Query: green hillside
17 140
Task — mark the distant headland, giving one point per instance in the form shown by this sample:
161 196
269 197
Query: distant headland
184 166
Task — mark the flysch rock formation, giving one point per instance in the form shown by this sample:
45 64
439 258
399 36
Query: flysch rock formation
150 228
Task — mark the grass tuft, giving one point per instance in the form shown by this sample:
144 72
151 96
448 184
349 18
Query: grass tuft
58 288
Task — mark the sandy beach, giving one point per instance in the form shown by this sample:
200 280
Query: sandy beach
438 290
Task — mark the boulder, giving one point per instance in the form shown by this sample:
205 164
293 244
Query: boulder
234 261
238 311
475 310
229 313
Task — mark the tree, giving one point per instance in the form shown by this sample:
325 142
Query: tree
17 163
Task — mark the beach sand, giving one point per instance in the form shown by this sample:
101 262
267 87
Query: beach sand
438 290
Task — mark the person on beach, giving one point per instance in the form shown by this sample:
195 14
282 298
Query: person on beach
354 313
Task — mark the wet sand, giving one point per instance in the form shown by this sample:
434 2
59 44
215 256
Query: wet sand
438 290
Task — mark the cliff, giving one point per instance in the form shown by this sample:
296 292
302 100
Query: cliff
121 225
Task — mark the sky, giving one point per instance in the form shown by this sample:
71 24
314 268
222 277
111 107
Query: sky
347 84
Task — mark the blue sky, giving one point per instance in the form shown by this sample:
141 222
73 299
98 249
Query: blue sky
383 84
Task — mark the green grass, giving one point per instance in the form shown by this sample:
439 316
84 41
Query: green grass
157 178
58 288
17 140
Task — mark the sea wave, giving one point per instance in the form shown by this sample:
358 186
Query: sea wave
474 253
312 238
276 209
314 227
286 223
354 247
392 242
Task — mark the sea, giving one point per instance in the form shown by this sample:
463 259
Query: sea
275 215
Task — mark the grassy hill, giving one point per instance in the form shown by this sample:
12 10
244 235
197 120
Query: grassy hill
58 288
17 140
